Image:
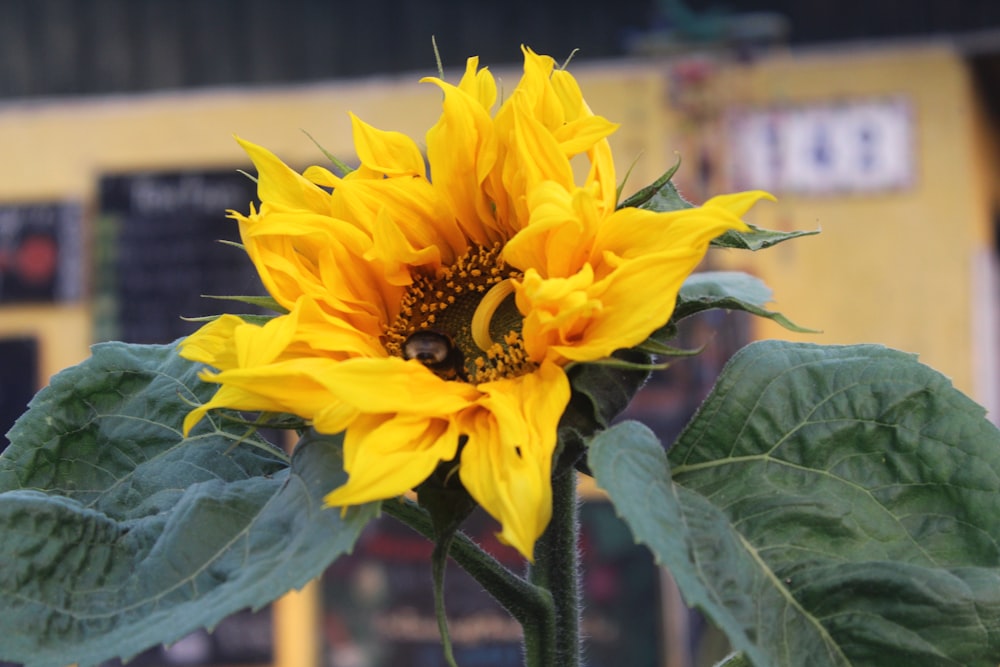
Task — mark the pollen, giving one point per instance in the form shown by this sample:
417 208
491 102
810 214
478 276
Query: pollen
471 304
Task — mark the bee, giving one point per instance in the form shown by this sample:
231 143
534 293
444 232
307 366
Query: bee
436 351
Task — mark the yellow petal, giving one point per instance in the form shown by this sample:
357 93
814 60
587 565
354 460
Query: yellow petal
558 239
462 150
580 135
636 299
213 343
387 455
631 233
478 83
328 333
558 311
392 385
738 203
285 386
391 153
506 465
281 186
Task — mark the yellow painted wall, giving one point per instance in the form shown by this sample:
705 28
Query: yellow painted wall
893 268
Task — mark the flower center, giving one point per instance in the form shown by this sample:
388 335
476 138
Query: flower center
462 322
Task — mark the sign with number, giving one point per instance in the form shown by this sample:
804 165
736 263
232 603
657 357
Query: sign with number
851 147
40 252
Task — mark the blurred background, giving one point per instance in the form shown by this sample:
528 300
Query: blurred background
876 121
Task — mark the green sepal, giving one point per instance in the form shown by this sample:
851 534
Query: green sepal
599 394
612 362
260 301
121 534
660 349
257 320
270 420
661 195
342 166
827 506
757 238
234 244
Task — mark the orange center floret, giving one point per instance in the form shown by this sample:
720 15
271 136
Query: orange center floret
436 326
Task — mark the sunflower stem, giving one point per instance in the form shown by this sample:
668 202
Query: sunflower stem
557 569
530 605
439 562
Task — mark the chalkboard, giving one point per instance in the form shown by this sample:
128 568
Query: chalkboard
245 638
157 251
18 380
378 609
41 254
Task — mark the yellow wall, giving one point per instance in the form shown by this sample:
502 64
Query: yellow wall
894 268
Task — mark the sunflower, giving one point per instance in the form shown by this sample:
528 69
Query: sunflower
431 318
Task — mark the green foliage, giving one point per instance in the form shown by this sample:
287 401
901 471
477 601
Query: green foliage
708 290
729 290
826 506
120 534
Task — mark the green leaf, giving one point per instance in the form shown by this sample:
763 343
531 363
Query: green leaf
757 238
829 506
119 534
728 290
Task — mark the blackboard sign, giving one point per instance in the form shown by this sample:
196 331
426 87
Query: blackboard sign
18 380
157 251
41 254
379 610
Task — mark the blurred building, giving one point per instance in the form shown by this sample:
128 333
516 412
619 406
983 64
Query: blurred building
877 122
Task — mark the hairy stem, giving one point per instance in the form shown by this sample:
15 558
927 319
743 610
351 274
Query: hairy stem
530 605
557 568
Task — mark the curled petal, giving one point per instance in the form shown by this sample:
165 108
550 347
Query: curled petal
558 239
558 311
